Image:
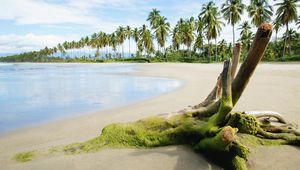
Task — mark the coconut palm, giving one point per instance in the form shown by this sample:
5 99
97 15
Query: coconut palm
199 39
245 28
286 13
212 21
153 18
147 40
276 26
113 42
246 40
121 36
162 31
61 49
259 12
176 38
187 33
232 11
289 36
128 35
206 14
222 49
214 29
136 36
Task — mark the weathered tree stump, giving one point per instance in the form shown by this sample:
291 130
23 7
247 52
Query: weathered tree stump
211 126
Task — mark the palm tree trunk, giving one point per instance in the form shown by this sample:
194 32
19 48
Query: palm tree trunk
137 48
165 55
209 51
287 28
233 38
123 50
216 49
289 37
129 47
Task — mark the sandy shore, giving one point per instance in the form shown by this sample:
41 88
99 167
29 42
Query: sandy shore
273 87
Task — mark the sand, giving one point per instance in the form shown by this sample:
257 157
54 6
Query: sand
273 87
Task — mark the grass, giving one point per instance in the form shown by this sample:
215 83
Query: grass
24 156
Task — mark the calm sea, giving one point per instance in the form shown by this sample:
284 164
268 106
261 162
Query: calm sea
32 94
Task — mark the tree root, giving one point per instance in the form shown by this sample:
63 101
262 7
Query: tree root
269 114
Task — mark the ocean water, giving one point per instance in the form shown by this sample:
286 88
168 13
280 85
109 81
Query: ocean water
32 94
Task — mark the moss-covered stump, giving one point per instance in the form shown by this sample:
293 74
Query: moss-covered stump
228 145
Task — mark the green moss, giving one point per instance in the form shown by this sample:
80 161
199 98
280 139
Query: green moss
150 132
239 163
220 142
24 156
254 141
245 123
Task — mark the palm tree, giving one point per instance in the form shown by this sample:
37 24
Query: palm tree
212 22
176 38
206 15
65 46
246 40
162 31
232 11
128 35
286 13
136 37
222 49
289 36
153 17
121 35
147 40
187 33
105 42
245 27
93 41
260 11
276 26
199 28
214 29
113 42
61 49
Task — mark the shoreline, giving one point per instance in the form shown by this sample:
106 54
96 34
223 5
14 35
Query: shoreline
199 80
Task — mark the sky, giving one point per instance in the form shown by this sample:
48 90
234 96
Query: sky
27 25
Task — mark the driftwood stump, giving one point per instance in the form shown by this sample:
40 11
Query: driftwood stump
210 127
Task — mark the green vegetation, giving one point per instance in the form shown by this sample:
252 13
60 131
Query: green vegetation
24 156
187 37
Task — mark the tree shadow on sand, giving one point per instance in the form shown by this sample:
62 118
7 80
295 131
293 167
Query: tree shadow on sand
186 157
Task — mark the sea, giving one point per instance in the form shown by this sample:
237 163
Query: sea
33 94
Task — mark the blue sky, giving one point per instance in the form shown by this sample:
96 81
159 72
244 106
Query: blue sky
32 24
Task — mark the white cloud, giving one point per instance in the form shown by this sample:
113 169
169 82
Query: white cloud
90 14
40 12
20 43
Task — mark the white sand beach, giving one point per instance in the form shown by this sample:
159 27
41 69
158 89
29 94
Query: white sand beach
273 87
